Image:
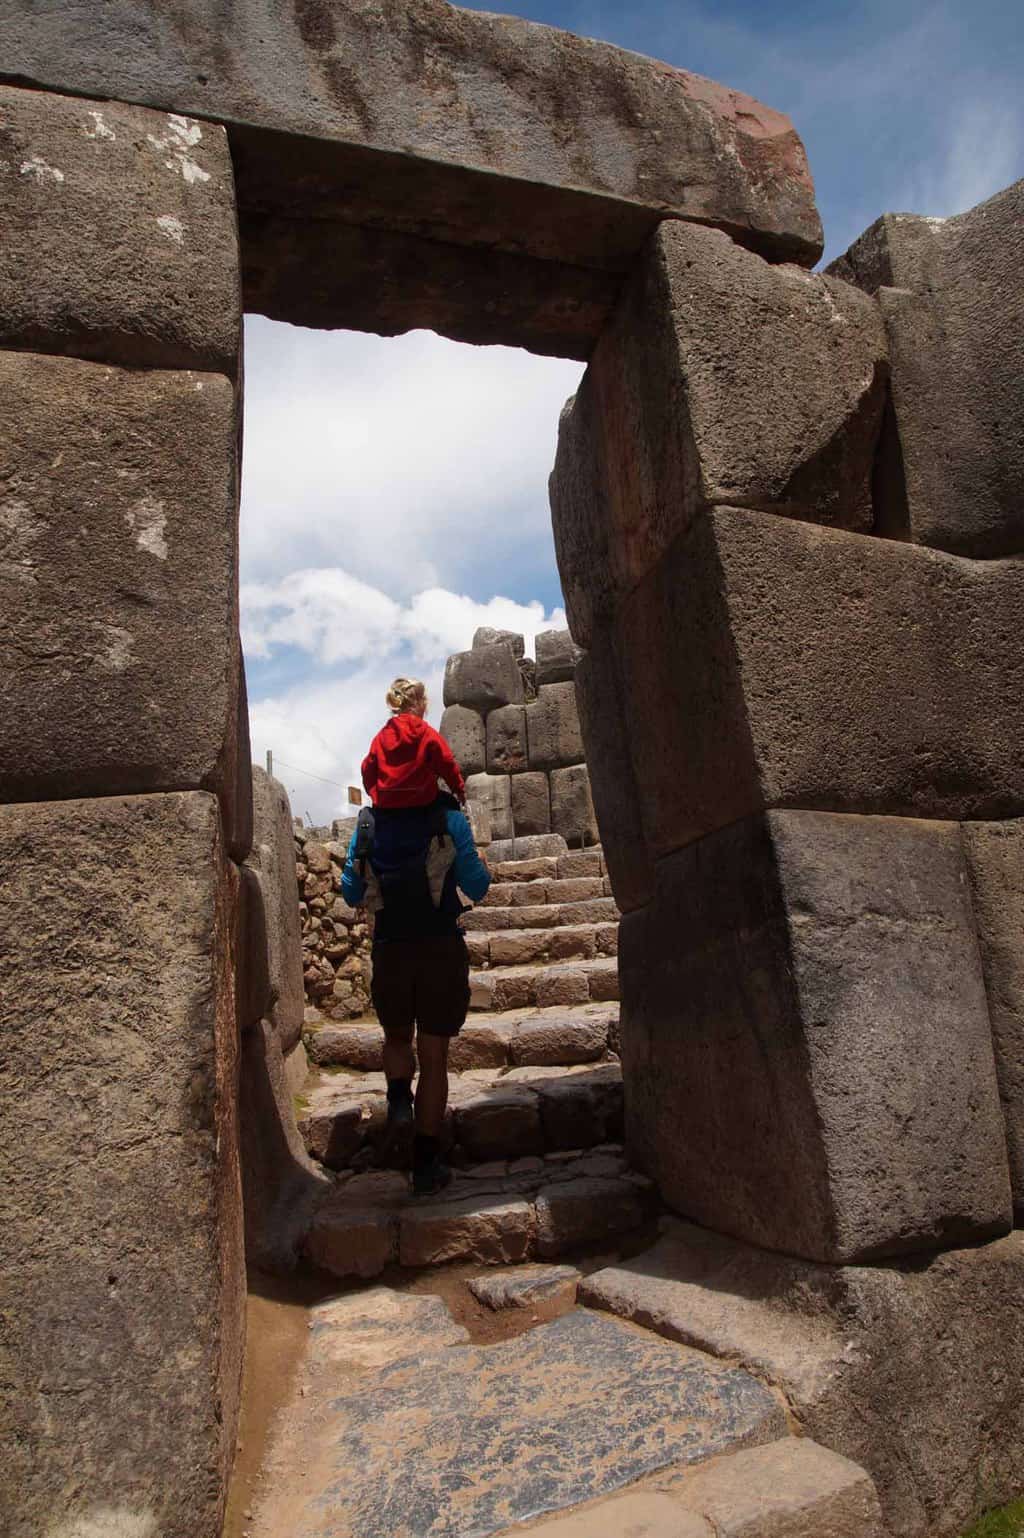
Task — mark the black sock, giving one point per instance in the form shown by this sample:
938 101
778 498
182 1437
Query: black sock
424 1150
399 1090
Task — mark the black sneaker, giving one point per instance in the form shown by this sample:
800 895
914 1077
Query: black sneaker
428 1179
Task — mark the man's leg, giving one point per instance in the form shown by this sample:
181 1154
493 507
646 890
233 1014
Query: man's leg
432 1090
394 1001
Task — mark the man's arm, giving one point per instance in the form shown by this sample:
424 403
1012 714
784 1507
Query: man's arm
353 887
471 873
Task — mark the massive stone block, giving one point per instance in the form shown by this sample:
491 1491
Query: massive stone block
118 504
557 656
957 356
428 120
807 1042
273 861
493 792
613 782
483 679
995 860
553 727
465 732
531 804
721 379
122 1319
486 635
506 741
572 806
768 662
120 234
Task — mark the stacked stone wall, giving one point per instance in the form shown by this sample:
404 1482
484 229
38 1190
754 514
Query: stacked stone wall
336 939
513 724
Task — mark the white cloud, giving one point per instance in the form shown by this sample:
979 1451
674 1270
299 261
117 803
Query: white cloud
410 461
983 153
320 727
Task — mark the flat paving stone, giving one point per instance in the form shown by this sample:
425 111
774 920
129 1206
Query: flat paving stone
468 1441
526 1286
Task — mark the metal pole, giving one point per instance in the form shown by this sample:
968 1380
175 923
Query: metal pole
270 762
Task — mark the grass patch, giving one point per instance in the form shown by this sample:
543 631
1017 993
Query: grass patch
1008 1522
301 1104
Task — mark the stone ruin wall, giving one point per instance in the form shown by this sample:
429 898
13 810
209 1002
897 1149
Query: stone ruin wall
336 939
513 724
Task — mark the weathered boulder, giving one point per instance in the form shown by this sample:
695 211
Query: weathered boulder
121 1195
955 337
120 234
721 379
465 732
769 646
483 679
572 806
119 581
553 727
486 635
531 804
506 741
557 656
908 1368
526 1287
807 1042
272 859
588 1212
496 1232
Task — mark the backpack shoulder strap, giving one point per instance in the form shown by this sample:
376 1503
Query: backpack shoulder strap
366 829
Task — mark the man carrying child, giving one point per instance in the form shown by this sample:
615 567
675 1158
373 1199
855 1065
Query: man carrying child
407 862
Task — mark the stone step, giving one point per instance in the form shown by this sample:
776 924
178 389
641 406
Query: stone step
519 1113
536 891
792 1488
498 1213
522 947
446 1437
531 846
566 867
561 1037
519 987
595 910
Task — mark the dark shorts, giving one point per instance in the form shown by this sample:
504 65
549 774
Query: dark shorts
423 983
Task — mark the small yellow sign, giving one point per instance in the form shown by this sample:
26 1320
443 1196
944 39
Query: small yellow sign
355 796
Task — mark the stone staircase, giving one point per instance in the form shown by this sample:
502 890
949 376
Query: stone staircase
534 1122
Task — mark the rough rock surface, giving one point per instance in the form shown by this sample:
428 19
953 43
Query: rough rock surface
281 1185
506 740
553 727
336 939
810 1061
120 234
904 1368
721 380
955 339
526 1286
466 734
119 583
531 804
477 1439
429 121
272 859
787 1489
572 806
121 1194
613 782
557 657
995 860
769 645
494 793
483 679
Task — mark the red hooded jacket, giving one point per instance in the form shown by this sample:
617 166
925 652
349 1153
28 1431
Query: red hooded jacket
406 760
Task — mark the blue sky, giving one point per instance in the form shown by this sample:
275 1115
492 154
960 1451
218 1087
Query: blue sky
395 490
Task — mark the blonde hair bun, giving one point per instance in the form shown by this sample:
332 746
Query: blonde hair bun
406 694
